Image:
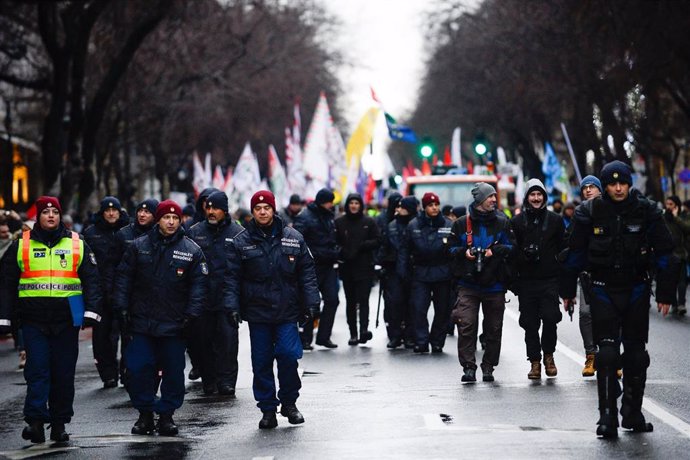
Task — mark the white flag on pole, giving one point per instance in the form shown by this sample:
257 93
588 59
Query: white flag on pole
246 178
277 178
455 155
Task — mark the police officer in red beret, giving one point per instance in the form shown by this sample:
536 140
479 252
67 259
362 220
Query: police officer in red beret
49 280
272 283
160 285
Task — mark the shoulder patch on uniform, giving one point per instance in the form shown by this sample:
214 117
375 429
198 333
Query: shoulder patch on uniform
92 258
204 268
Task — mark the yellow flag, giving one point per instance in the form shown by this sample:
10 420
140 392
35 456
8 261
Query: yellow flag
356 146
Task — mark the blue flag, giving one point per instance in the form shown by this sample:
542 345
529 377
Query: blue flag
551 168
399 132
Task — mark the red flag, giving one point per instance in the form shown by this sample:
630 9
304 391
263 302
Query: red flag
446 156
426 169
369 192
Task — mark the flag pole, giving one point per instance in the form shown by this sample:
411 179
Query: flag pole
572 154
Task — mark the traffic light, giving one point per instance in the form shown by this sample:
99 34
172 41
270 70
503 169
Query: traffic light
481 145
426 148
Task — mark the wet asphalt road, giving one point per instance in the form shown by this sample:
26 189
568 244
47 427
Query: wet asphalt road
369 402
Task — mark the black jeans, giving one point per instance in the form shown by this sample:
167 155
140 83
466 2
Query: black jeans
539 306
357 298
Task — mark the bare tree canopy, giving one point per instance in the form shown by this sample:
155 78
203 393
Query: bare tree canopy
95 82
615 72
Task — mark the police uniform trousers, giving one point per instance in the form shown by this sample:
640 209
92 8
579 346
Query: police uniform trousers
220 342
539 307
467 316
51 359
327 279
145 355
621 314
106 336
279 342
423 293
397 311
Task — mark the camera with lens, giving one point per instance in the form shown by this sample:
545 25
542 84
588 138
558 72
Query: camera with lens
531 253
479 254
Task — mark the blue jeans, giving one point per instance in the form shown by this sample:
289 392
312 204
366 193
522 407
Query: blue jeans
282 343
144 356
51 358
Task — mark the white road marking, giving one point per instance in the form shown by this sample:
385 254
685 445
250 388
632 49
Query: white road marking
649 404
36 451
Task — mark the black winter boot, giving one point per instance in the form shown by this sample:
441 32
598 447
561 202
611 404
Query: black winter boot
166 425
34 432
58 433
293 415
268 420
609 390
631 407
144 425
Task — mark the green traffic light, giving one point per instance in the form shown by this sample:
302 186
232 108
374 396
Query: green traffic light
426 151
480 149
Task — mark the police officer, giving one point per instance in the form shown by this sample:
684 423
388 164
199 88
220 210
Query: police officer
383 219
358 236
539 235
160 285
49 280
425 265
481 244
272 284
616 234
144 220
101 238
216 331
317 224
397 314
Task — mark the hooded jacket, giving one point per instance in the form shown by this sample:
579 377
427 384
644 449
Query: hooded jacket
539 237
358 236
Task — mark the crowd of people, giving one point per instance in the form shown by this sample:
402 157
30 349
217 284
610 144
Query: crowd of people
174 280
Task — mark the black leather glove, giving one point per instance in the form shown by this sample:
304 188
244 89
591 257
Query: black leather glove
306 318
315 311
4 330
89 322
235 319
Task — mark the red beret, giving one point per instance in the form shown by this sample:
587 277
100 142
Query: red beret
429 198
168 207
263 196
44 202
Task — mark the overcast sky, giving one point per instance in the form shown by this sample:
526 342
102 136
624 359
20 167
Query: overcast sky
385 40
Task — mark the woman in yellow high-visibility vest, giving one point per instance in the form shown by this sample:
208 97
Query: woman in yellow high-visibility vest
49 281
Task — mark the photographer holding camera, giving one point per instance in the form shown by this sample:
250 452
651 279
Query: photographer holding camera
481 244
540 236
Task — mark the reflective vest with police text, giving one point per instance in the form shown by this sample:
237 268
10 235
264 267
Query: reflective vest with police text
50 272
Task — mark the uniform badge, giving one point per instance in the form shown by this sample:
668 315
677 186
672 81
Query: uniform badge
92 258
615 175
63 263
204 268
598 230
445 240
291 258
180 271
